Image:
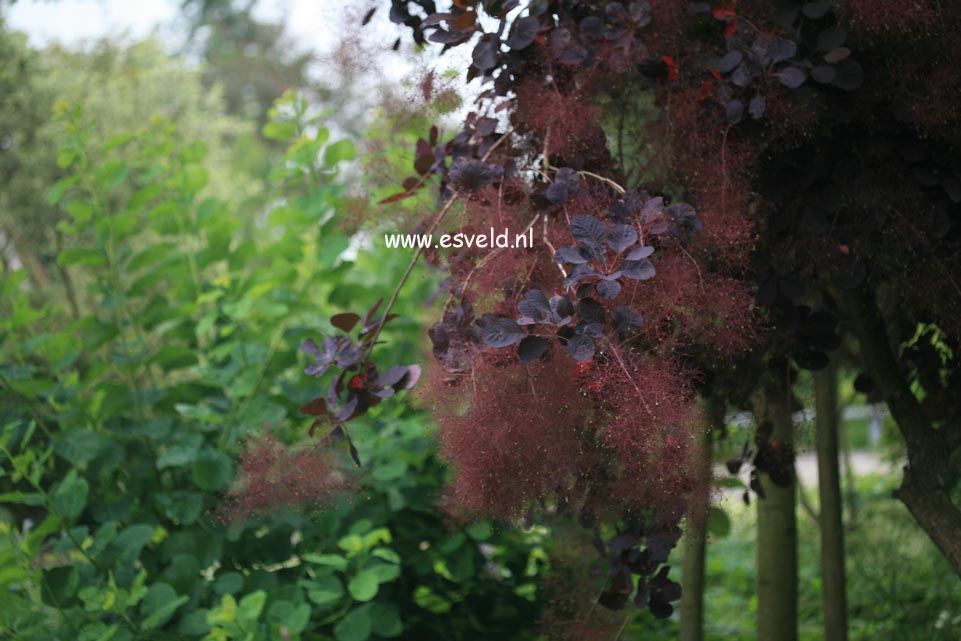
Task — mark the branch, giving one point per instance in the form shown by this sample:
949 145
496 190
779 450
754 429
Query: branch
922 490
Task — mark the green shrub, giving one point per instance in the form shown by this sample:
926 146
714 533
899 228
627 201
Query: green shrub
120 420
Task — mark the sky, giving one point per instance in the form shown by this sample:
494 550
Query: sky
75 22
313 24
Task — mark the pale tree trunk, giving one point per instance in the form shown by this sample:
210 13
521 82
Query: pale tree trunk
850 481
829 492
695 535
777 572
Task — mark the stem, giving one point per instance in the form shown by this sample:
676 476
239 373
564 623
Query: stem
627 373
616 187
420 250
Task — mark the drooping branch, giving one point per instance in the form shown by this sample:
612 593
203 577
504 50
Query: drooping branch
923 489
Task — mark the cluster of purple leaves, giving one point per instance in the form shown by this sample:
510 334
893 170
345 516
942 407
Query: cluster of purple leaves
357 384
743 73
643 554
576 324
464 152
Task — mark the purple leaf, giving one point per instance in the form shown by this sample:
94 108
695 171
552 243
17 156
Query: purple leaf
640 253
638 270
792 77
531 348
523 32
580 347
620 237
501 332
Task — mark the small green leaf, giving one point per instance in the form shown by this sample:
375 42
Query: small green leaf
356 626
386 619
480 531
111 173
364 586
251 606
385 572
159 605
386 554
390 471
293 617
70 497
81 256
325 591
229 583
80 210
281 130
23 498
60 188
338 151
718 522
333 560
212 470
79 447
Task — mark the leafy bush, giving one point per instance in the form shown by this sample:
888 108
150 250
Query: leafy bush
120 420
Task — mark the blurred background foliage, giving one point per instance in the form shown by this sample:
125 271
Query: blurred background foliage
171 228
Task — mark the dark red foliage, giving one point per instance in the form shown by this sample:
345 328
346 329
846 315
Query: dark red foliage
272 477
806 150
513 435
895 16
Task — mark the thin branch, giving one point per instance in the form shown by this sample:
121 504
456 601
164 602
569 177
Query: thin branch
420 250
604 179
553 250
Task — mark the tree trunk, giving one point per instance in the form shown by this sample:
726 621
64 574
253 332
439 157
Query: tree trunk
829 492
695 536
776 525
922 490
850 480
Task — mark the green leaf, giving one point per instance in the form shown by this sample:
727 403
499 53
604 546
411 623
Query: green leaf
356 626
152 257
480 531
159 605
212 470
718 522
60 188
111 173
333 560
229 583
391 470
386 554
199 413
385 572
80 210
364 586
98 631
70 497
286 614
23 498
338 151
462 566
251 606
177 456
386 619
194 178
81 256
281 130
171 357
351 544
79 447
325 590
131 541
